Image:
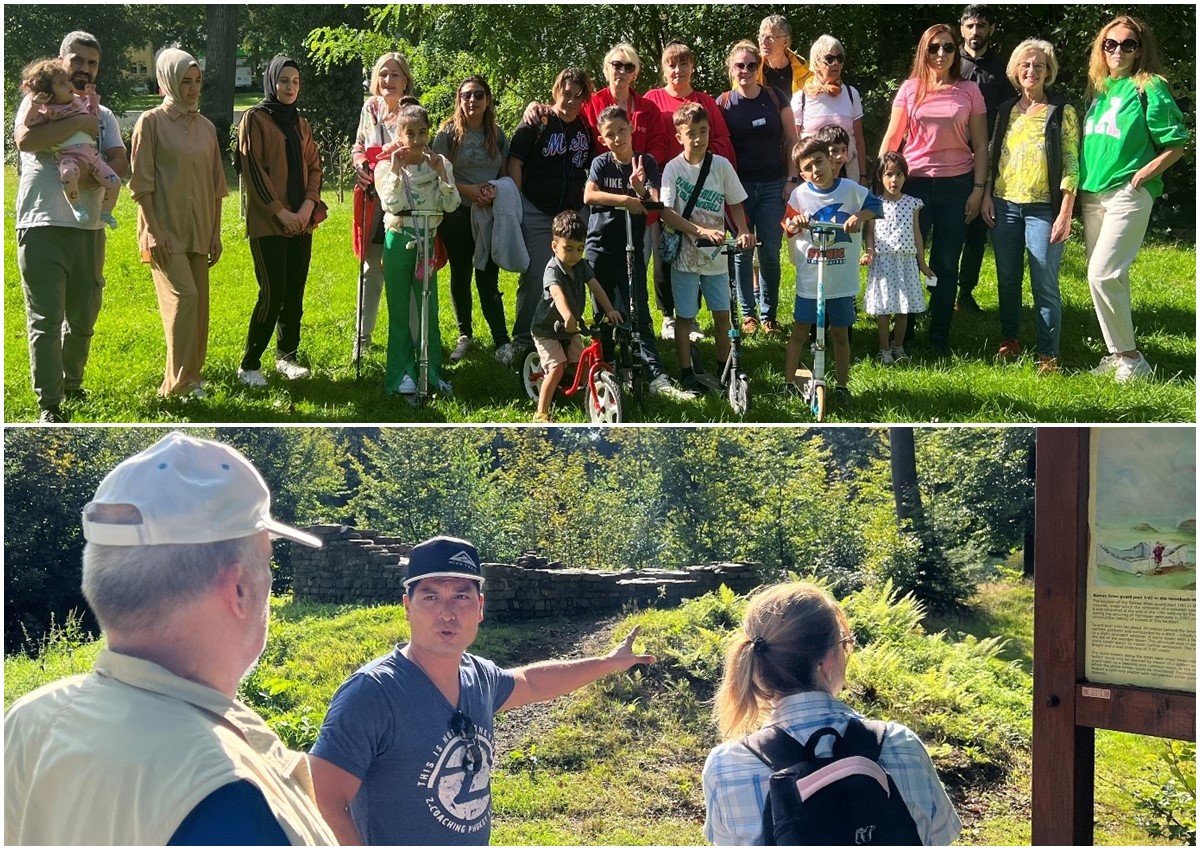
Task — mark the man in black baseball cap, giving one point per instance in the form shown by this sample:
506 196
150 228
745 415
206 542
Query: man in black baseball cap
406 750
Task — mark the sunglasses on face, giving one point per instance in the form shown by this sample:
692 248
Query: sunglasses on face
746 66
944 47
1129 45
473 94
834 59
623 67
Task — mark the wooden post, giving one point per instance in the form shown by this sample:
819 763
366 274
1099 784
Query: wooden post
1063 754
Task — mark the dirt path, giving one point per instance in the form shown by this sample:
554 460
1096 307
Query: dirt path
555 639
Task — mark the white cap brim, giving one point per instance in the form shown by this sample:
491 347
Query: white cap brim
279 529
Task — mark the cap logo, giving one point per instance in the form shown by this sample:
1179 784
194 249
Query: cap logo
464 559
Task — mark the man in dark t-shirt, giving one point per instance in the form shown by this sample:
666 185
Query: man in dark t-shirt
983 65
406 751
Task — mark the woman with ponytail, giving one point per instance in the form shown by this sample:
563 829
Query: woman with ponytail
784 667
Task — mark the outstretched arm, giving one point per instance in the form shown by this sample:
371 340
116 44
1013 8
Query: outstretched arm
549 679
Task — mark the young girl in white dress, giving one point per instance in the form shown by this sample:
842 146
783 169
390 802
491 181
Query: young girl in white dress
895 258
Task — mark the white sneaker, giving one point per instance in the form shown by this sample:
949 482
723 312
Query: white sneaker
668 328
460 349
886 357
504 354
291 370
408 386
1131 369
1108 365
664 386
696 335
252 377
899 355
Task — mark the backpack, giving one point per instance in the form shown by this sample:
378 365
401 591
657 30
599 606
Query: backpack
843 800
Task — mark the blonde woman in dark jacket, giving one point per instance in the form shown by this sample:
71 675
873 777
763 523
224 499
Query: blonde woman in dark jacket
281 171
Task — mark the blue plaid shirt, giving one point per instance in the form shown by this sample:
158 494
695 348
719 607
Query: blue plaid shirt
736 782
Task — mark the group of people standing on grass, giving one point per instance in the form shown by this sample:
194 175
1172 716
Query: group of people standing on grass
495 198
154 747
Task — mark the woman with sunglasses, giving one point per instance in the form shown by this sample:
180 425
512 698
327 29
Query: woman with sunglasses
1133 132
678 66
763 133
940 120
391 80
477 149
1031 196
784 668
826 99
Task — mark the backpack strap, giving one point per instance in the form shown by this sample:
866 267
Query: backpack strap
775 748
862 738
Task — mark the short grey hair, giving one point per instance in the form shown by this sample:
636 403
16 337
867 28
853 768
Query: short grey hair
777 22
822 47
1019 53
136 588
85 39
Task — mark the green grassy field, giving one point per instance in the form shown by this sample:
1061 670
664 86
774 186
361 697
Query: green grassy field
619 762
128 351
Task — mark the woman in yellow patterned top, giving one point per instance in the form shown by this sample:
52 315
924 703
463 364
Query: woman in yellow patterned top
1030 197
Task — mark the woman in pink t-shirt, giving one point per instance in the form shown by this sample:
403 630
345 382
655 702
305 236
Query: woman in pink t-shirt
940 120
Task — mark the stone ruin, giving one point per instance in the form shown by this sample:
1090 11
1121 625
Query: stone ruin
367 567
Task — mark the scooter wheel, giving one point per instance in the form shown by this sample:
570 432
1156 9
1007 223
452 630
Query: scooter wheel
532 375
606 407
818 403
739 394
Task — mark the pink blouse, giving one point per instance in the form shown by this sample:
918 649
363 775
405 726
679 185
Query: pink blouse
937 138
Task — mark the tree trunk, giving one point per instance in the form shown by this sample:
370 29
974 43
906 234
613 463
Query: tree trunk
904 475
220 69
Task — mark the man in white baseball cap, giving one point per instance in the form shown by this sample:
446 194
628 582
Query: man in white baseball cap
406 751
153 747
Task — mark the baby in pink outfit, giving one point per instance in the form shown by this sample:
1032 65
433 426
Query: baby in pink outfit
54 98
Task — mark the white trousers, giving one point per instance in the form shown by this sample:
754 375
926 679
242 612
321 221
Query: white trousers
1114 227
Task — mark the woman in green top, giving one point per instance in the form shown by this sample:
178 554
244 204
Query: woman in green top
1132 134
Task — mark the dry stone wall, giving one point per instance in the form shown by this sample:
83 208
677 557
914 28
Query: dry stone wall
364 567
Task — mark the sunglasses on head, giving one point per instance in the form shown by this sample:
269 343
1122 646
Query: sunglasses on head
945 47
833 59
1129 45
461 726
473 94
624 67
746 66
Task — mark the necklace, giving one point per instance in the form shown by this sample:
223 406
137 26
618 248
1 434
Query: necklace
1027 104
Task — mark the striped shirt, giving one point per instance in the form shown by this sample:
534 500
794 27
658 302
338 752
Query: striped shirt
736 782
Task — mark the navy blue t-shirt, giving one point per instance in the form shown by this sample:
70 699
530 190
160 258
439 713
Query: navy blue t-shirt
554 161
234 814
391 727
606 225
756 130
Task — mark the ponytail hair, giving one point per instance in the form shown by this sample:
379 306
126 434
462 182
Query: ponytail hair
788 629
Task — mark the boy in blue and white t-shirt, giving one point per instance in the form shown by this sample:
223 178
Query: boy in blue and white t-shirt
825 197
701 267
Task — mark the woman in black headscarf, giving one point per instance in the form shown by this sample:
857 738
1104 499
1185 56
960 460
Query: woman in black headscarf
281 175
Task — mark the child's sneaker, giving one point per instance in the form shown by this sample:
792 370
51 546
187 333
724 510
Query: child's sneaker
842 393
899 355
663 385
461 347
668 328
108 219
504 354
886 357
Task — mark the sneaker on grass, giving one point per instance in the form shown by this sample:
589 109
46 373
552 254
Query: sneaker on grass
1132 369
668 328
290 369
664 386
460 348
899 355
1108 365
504 354
886 357
408 386
252 377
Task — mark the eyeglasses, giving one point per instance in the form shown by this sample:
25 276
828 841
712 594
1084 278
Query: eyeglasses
769 37
746 66
461 726
945 47
846 641
472 94
834 59
1040 67
623 67
571 95
1129 45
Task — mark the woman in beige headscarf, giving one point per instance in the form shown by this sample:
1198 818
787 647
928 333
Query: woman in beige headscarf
178 183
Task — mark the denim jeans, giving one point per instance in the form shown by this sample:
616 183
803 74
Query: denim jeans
1025 229
945 215
764 212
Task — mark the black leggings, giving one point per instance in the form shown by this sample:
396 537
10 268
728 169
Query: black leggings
281 266
455 231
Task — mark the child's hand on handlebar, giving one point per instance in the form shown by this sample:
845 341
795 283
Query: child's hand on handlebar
634 205
615 317
746 241
795 224
710 235
570 325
